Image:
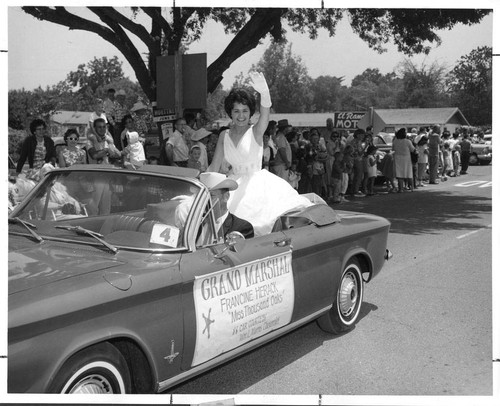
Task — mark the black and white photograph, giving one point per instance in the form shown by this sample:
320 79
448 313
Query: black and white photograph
251 203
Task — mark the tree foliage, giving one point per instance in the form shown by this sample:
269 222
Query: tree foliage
287 78
422 86
412 30
470 85
97 73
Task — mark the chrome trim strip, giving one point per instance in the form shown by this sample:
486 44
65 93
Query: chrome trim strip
238 351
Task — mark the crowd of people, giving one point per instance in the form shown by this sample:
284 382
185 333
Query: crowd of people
334 164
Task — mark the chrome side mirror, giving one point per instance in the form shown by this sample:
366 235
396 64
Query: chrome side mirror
235 242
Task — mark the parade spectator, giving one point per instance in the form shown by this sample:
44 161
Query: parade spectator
372 159
120 113
100 148
332 146
128 125
134 151
358 170
212 143
142 118
71 153
200 138
447 161
423 160
283 158
267 153
434 148
337 175
316 158
194 158
109 108
388 173
455 156
414 163
37 148
348 159
176 147
98 113
402 148
465 148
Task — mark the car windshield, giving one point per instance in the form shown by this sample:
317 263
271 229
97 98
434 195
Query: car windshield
124 209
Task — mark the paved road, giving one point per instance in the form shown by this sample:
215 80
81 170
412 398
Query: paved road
426 320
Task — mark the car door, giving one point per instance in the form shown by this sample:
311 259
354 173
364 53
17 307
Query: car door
317 263
230 298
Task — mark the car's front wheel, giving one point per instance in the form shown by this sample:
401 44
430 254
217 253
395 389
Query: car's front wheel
100 369
347 305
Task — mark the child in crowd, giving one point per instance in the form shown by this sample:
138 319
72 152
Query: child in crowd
338 170
447 162
456 159
133 152
194 157
423 159
371 164
387 164
348 171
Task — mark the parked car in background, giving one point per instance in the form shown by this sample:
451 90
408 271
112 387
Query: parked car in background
120 281
481 153
383 141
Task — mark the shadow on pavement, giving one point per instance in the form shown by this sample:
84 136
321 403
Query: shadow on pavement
421 212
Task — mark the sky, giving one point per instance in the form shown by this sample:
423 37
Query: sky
42 53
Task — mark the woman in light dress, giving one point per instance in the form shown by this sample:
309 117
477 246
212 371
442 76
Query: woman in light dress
71 154
261 197
402 148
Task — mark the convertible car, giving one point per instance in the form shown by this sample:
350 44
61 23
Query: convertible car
119 283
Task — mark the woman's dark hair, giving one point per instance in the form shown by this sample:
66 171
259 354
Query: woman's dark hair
68 133
371 149
242 96
125 118
37 122
401 134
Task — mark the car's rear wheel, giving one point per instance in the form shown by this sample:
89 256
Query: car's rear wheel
99 369
473 160
347 305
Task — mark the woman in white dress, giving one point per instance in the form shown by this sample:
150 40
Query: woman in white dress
402 148
261 197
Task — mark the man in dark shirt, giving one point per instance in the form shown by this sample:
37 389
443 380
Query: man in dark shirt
434 147
465 147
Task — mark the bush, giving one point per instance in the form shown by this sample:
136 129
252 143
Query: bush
16 138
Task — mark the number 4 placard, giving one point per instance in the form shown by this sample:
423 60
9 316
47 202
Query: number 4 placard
165 235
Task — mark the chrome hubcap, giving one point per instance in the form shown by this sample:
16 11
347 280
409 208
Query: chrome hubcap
348 294
92 384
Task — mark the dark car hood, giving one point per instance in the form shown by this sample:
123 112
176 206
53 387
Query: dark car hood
45 263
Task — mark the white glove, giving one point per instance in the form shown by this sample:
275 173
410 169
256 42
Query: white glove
258 82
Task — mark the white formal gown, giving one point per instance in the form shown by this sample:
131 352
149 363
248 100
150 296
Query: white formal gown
261 196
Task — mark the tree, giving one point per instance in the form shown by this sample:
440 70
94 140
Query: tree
410 30
96 73
372 89
326 93
287 78
470 85
422 86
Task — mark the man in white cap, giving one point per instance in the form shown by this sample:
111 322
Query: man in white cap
219 186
